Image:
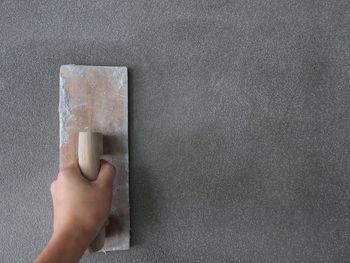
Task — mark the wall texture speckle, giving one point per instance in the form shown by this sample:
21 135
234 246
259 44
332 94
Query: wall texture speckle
239 124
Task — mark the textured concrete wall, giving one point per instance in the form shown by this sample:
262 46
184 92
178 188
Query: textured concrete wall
239 124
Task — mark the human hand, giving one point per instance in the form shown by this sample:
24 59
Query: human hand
81 207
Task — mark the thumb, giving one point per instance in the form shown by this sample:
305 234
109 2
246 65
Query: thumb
106 175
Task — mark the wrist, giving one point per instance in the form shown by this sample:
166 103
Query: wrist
78 231
63 247
71 244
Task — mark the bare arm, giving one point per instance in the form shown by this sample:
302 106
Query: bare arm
81 208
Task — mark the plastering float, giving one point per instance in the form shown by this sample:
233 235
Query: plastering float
93 114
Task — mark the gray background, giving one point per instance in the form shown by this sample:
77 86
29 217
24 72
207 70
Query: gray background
239 119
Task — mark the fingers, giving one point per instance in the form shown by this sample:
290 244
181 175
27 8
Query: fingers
106 175
71 169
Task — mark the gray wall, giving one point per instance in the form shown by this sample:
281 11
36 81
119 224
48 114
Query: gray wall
239 120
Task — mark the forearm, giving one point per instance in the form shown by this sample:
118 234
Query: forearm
63 248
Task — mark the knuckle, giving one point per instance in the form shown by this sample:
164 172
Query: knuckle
110 168
52 186
62 173
66 171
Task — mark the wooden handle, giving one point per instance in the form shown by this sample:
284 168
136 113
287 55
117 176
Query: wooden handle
90 148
